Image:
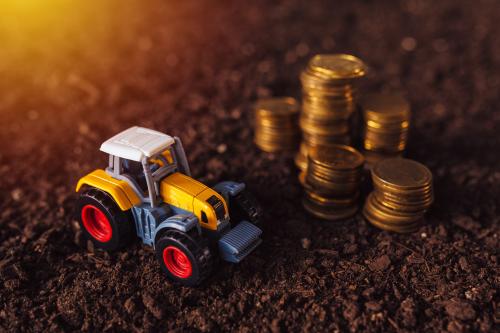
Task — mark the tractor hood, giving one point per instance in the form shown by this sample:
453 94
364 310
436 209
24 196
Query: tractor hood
185 193
186 184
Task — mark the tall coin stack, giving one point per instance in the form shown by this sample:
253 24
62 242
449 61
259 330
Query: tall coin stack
386 123
402 194
328 100
276 124
332 181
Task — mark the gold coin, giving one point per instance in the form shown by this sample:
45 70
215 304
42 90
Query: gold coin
397 215
320 88
398 192
331 201
331 189
323 120
327 114
395 129
387 148
325 130
324 95
413 207
402 173
368 146
327 185
328 172
390 227
396 227
393 148
385 105
328 213
337 66
389 215
381 142
335 177
313 80
339 157
321 140
404 208
378 142
424 196
277 106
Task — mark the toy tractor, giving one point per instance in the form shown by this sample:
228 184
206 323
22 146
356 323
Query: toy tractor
147 189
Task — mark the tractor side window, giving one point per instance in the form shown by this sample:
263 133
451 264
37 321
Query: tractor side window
134 170
204 217
132 167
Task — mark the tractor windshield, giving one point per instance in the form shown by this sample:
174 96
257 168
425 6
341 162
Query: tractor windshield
162 164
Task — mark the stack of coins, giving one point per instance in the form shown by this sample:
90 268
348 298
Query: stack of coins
386 123
332 181
276 124
329 99
402 194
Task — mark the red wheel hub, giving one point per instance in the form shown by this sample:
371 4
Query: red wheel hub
177 262
96 223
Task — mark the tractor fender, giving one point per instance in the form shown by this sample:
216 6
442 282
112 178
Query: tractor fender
119 190
181 222
229 189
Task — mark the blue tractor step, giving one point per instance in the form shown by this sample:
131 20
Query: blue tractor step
237 243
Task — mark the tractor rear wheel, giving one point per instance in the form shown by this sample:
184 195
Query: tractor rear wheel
102 221
185 259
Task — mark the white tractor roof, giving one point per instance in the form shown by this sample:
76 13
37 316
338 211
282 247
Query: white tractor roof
137 142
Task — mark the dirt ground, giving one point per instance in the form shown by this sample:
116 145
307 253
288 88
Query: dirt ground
73 73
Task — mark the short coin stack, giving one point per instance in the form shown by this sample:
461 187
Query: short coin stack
386 123
402 194
276 124
329 98
332 181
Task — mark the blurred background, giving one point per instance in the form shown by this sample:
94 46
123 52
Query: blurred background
73 73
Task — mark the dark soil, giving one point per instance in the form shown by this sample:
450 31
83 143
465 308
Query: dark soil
74 73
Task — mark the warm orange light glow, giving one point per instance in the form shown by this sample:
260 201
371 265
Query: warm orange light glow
46 43
81 51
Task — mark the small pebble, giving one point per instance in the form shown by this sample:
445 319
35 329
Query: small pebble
306 243
221 148
409 44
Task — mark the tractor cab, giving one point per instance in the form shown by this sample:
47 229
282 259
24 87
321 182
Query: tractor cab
143 158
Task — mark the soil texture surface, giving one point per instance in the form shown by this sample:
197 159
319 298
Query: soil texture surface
74 73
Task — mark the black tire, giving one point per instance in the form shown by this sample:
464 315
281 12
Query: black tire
120 230
193 249
244 206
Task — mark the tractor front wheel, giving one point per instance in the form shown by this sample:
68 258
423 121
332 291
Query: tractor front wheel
183 258
102 221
